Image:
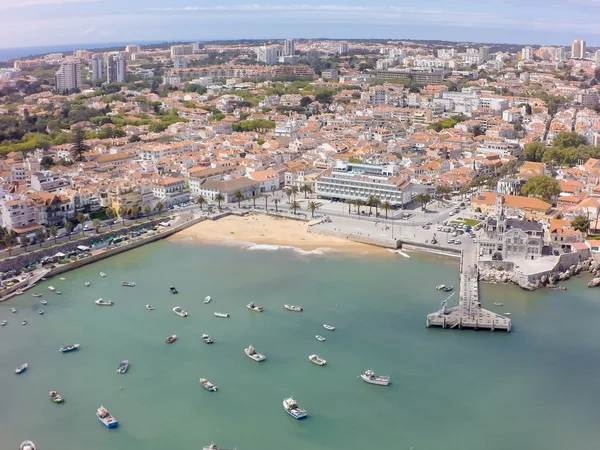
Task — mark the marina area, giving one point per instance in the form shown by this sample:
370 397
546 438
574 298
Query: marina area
377 305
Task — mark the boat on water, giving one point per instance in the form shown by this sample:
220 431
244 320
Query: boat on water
149 307
43 302
103 302
68 348
293 308
208 385
40 311
180 312
128 283
222 315
507 314
22 368
102 274
24 322
328 327
253 307
18 292
52 288
173 290
27 445
440 287
58 292
291 407
123 366
171 339
317 360
4 322
43 278
56 397
207 339
320 338
105 417
498 304
62 278
369 377
447 288
13 310
253 354
214 447
87 283
207 299
36 294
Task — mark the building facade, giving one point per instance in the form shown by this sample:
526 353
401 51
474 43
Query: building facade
68 76
578 49
116 68
97 67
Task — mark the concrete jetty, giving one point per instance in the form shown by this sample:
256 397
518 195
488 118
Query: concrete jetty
468 313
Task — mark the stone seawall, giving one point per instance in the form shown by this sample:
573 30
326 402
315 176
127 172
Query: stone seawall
431 248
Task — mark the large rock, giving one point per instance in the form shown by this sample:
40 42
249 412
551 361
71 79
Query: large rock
594 283
565 275
544 280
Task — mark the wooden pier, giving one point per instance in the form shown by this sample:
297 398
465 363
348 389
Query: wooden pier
468 313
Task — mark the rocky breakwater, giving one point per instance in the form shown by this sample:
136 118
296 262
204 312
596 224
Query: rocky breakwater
532 282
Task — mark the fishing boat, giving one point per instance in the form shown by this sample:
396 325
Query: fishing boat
128 283
149 307
87 283
214 447
102 274
180 312
36 294
370 377
222 315
447 288
68 348
320 338
103 302
40 311
55 396
105 417
27 445
498 304
293 308
252 307
207 339
62 278
208 385
52 288
123 366
207 299
43 302
58 292
328 327
317 360
24 322
440 287
507 314
173 290
4 322
22 368
253 354
291 407
13 310
171 339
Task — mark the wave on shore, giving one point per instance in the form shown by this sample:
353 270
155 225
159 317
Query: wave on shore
272 247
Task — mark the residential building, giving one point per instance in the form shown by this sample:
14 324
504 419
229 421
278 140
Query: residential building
210 189
329 74
289 47
527 53
124 197
527 208
47 181
587 97
268 180
484 55
343 48
132 49
268 54
578 49
68 76
510 186
178 50
197 47
171 191
97 67
288 128
19 215
116 68
180 62
198 177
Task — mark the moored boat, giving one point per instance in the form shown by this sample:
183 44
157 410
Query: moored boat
36 294
207 299
440 287
68 348
252 307
180 312
149 307
105 417
58 292
24 322
102 274
207 339
173 290
22 368
4 322
328 327
498 304
214 447
507 314
18 292
369 377
128 283
87 283
208 385
62 278
13 310
43 302
27 445
171 339
40 311
293 308
447 288
51 288
320 338
253 354
56 397
317 360
103 302
291 407
123 366
222 315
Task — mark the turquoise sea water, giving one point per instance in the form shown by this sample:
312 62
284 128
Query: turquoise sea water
535 388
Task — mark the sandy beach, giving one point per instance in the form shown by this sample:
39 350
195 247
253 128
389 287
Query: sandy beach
268 230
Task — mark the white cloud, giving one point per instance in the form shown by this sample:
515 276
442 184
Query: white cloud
12 4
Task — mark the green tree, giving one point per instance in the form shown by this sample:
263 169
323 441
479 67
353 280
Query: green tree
288 192
312 207
80 217
306 189
40 236
238 197
147 210
9 239
276 201
386 206
219 198
136 211
295 190
47 162
541 186
201 201
54 232
79 146
581 223
110 213
349 203
566 139
159 207
69 228
96 224
295 206
534 151
266 197
423 199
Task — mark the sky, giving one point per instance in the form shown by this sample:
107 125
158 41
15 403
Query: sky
27 23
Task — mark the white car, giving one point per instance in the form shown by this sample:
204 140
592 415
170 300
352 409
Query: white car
451 213
457 242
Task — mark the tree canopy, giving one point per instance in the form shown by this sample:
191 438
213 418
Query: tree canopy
541 186
581 223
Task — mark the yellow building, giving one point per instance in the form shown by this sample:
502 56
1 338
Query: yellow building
528 208
123 198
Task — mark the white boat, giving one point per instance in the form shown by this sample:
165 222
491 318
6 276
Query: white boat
253 354
18 292
36 294
87 283
320 338
58 292
369 377
52 288
214 447
507 314
328 327
207 338
292 408
22 368
208 385
4 322
317 360
24 322
149 307
498 304
40 311
128 283
180 312
13 310
63 279
207 299
103 302
102 274
106 418
222 315
27 445
440 287
252 307
293 308
43 302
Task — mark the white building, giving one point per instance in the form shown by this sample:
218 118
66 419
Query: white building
116 68
578 49
289 47
68 76
343 48
132 49
268 54
484 54
97 66
180 62
171 191
289 128
587 97
527 53
177 50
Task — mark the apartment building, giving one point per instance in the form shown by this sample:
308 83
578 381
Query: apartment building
171 191
198 177
116 68
97 71
47 181
68 76
268 54
578 49
156 152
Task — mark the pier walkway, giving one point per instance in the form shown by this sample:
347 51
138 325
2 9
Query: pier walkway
468 313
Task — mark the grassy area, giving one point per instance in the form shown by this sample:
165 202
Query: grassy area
462 220
593 237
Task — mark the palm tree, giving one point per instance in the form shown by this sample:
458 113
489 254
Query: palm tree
312 207
219 198
372 201
254 197
288 192
110 213
80 219
358 204
306 189
386 206
238 197
54 232
266 197
276 200
159 207
349 203
295 206
40 236
295 190
136 211
201 200
96 223
9 240
69 228
130 212
147 210
423 199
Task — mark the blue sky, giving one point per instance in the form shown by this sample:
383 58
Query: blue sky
45 22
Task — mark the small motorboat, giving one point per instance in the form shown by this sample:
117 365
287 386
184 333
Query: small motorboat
213 447
128 283
171 339
62 278
27 445
43 302
4 322
369 377
18 292
498 304
291 407
13 310
328 327
207 339
102 274
51 288
149 307
55 396
68 348
22 368
317 360
43 278
208 385
40 311
87 283
105 417
180 312
103 302
293 308
207 299
36 294
253 354
440 287
123 366
173 290
58 292
252 307
24 322
222 315
447 288
507 314
320 338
